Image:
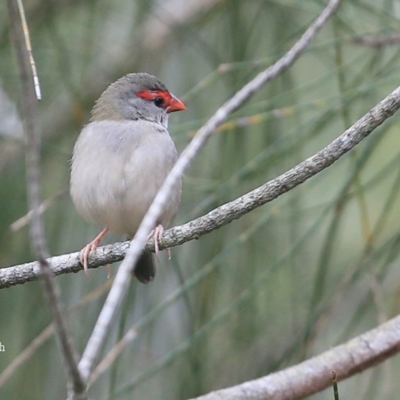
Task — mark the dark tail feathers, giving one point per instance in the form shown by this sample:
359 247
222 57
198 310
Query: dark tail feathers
145 269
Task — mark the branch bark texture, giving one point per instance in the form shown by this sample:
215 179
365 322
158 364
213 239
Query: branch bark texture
228 212
315 374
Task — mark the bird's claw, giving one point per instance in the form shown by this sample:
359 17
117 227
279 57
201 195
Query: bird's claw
156 234
89 248
84 255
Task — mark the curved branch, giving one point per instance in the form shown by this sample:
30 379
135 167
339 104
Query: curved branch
315 374
226 213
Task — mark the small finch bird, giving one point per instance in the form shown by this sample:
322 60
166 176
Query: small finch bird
122 158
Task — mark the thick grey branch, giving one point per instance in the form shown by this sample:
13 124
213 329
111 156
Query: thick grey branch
228 212
315 374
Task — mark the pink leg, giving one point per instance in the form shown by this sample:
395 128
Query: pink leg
92 246
157 235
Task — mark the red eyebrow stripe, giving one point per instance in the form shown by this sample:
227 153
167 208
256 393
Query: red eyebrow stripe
150 95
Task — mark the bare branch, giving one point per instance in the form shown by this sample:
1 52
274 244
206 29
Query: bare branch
121 282
315 374
226 213
112 355
20 360
25 220
32 149
29 50
158 28
377 42
66 263
47 333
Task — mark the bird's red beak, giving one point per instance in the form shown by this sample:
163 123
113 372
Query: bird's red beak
175 105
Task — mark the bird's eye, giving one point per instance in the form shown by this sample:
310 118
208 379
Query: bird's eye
159 102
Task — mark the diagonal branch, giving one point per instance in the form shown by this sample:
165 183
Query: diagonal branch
315 374
121 282
228 212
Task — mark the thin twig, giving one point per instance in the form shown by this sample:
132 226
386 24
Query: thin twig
26 354
335 386
25 220
75 383
22 358
122 280
377 42
112 355
32 63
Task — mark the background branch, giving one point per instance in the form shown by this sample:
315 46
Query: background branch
75 384
314 375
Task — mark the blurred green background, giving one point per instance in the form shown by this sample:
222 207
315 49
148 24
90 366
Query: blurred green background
293 278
